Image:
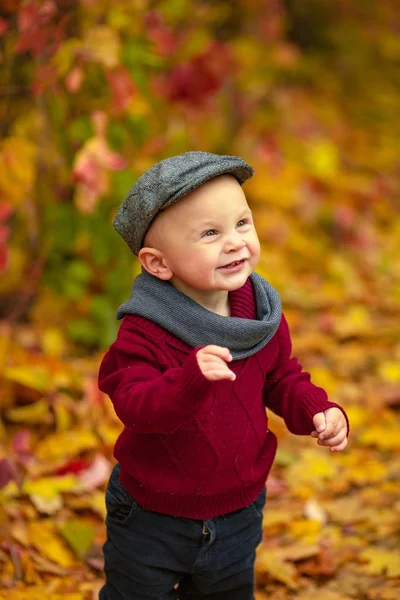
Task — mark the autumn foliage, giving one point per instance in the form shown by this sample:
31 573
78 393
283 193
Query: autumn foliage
91 94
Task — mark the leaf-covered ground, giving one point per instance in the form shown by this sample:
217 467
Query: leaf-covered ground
331 521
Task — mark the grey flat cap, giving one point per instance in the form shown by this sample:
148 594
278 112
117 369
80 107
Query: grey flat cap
165 183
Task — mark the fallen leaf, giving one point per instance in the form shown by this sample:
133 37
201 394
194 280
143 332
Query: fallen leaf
44 538
270 562
79 536
381 561
65 444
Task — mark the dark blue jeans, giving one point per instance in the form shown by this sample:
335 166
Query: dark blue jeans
151 555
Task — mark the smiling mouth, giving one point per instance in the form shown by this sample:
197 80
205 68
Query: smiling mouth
235 263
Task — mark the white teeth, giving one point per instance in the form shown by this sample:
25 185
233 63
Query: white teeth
232 264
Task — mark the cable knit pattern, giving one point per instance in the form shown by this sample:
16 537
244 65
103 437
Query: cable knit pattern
194 448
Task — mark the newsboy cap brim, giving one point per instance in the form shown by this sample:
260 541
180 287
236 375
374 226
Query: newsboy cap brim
165 183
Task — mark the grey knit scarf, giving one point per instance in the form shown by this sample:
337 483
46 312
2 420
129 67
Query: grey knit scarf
193 324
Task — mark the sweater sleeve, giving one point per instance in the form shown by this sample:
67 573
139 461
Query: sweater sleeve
147 397
289 392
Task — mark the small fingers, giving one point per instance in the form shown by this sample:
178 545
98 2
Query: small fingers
319 421
333 441
330 430
339 447
218 374
219 351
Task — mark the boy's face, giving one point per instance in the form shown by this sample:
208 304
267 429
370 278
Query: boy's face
207 240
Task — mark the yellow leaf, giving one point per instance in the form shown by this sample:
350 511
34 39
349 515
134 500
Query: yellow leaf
103 45
65 444
381 561
356 321
36 412
372 470
313 467
390 371
37 377
44 493
323 159
47 505
38 593
43 537
357 415
278 191
17 168
345 510
62 413
11 490
323 594
299 551
97 503
324 378
3 432
270 562
384 434
94 501
66 54
48 487
108 431
53 342
19 532
273 518
306 529
5 339
138 106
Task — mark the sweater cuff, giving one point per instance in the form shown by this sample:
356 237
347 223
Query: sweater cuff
317 402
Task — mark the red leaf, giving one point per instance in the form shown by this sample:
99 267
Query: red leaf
46 76
8 472
37 31
3 26
4 258
87 171
74 466
122 89
74 79
21 442
194 81
6 210
164 39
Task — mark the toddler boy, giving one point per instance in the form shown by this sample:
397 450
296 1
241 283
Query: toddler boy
203 348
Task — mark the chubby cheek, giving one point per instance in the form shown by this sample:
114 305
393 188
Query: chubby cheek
255 250
199 264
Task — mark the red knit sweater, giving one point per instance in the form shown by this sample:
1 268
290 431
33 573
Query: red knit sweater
195 448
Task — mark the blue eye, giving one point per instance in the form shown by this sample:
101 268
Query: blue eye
241 222
209 233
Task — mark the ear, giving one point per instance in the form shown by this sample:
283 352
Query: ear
154 262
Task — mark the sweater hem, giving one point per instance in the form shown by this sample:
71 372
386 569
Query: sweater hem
191 506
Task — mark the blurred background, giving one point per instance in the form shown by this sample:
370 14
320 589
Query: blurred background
94 92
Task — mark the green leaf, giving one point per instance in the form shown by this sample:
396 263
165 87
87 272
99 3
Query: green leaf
103 311
80 129
117 135
79 271
122 181
79 535
83 331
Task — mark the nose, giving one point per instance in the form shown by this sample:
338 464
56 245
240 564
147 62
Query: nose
234 242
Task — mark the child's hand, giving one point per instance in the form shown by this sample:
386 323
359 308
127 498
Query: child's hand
212 362
331 429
